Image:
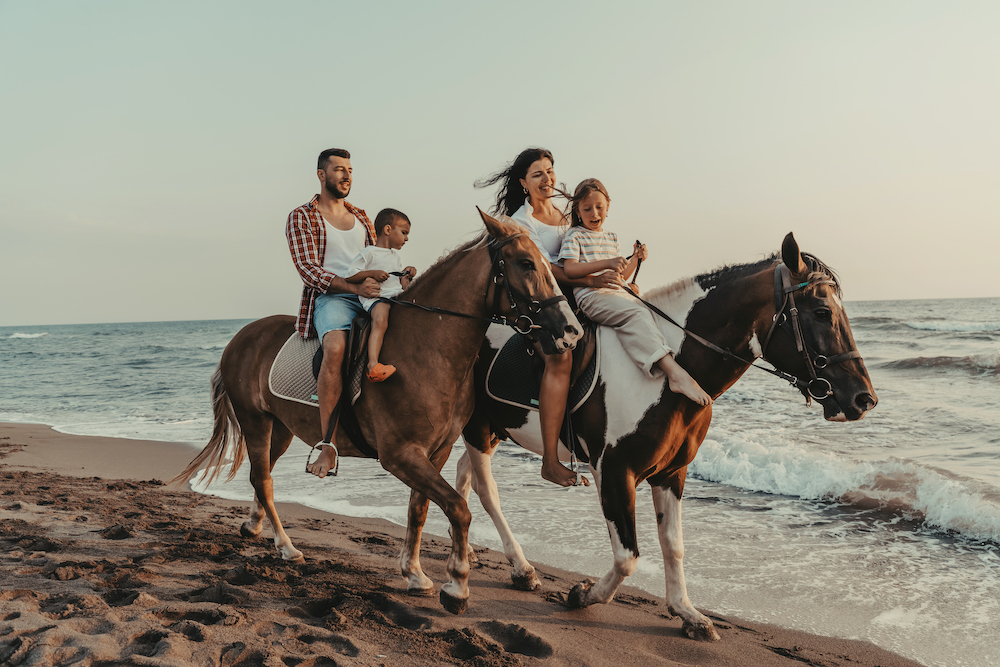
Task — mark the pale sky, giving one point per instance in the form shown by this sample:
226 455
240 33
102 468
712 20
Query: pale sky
150 152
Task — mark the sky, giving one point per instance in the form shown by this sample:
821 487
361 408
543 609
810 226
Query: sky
150 152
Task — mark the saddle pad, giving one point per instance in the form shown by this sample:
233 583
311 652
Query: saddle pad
293 372
512 378
291 375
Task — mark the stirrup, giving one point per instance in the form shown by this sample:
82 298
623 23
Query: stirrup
336 462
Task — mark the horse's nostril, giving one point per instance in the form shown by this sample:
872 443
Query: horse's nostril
865 401
571 330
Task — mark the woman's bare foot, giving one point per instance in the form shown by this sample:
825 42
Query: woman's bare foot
325 462
557 473
680 382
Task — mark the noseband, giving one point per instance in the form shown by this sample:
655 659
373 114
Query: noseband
784 300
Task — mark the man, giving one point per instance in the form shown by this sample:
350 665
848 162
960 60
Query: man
324 237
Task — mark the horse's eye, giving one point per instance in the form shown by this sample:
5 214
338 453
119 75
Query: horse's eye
527 265
823 314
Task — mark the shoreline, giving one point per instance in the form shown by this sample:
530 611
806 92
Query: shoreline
106 563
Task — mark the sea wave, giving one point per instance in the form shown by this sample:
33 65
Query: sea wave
954 326
938 499
29 335
988 363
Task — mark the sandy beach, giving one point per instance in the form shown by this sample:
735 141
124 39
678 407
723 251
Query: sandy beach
104 564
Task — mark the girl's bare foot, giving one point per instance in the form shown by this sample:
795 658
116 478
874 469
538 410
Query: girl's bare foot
557 473
325 462
680 382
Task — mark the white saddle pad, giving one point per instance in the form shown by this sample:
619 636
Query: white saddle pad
291 375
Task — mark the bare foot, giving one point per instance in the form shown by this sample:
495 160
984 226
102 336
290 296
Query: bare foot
689 387
326 460
553 471
680 382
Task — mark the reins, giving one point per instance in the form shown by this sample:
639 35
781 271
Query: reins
784 297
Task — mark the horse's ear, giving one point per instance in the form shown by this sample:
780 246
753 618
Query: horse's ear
496 229
790 255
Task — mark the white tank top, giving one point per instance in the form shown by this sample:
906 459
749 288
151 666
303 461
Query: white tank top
342 247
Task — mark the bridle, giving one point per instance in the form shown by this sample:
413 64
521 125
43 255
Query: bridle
816 387
524 322
784 299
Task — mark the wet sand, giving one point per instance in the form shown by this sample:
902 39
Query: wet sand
101 563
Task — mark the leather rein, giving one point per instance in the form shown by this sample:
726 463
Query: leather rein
523 323
784 300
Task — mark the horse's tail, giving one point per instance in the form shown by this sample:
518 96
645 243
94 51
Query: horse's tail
225 432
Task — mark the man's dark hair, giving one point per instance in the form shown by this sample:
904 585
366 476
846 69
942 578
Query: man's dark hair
389 216
325 156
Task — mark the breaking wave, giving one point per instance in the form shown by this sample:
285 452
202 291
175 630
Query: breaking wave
29 335
953 326
938 499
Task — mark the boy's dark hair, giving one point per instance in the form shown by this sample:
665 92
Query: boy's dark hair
584 190
389 216
325 156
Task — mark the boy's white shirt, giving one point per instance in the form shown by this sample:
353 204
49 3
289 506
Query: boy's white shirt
375 258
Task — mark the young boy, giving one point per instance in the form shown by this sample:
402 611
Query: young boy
382 262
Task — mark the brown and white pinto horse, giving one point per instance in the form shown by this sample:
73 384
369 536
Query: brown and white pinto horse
634 429
414 418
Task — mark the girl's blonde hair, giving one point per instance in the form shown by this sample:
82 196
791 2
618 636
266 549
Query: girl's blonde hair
584 190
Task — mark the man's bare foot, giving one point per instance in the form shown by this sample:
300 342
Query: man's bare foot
325 462
557 473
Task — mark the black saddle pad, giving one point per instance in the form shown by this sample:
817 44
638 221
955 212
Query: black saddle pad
515 375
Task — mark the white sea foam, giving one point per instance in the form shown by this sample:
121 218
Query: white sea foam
29 335
942 501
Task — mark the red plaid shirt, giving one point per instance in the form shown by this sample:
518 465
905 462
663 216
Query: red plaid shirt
306 236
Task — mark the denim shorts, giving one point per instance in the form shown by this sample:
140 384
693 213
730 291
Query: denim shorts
335 312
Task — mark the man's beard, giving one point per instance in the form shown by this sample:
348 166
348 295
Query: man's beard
332 188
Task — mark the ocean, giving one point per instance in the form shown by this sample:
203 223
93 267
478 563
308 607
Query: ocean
886 530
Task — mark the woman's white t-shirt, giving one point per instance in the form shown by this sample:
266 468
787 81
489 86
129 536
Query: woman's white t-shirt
548 238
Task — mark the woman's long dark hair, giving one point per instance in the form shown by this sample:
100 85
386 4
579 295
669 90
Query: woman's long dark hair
511 195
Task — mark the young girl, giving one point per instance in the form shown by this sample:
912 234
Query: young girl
382 262
588 249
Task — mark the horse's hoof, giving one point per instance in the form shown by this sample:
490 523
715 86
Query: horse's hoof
248 532
577 597
295 559
525 582
701 631
420 592
453 604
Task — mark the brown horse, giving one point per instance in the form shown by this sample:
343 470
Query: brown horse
414 418
633 429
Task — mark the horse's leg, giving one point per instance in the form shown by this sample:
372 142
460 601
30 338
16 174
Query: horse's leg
617 495
480 466
666 499
409 556
257 429
281 437
414 469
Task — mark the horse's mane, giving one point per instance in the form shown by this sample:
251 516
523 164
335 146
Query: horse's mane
818 270
465 247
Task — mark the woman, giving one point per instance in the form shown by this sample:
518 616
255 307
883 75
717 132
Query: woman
527 187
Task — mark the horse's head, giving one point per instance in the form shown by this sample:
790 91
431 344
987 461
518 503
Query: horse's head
811 337
525 290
